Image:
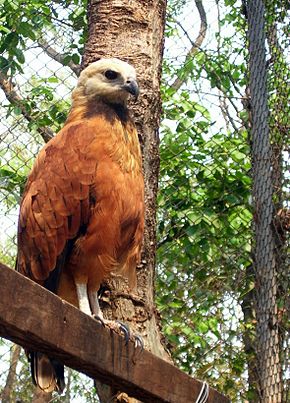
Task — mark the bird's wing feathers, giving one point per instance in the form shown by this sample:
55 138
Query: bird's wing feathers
56 201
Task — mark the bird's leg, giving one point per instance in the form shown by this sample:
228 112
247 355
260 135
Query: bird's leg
95 306
82 294
98 314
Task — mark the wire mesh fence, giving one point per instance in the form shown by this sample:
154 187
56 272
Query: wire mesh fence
222 284
265 265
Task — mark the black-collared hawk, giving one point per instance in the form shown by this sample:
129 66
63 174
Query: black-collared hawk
82 212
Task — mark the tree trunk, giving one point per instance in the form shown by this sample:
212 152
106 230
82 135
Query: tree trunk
265 262
41 397
6 395
133 31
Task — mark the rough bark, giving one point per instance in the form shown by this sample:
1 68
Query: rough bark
133 31
279 129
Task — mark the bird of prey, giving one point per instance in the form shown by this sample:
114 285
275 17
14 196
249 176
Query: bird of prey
82 212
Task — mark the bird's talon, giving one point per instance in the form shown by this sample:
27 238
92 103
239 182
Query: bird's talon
98 318
125 329
139 342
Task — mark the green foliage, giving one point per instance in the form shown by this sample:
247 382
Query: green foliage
204 237
42 95
204 215
20 27
20 24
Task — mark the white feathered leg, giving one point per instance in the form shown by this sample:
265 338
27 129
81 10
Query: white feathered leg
94 301
82 293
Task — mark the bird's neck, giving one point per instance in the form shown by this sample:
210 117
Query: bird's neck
126 148
84 108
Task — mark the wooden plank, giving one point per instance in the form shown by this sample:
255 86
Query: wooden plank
35 318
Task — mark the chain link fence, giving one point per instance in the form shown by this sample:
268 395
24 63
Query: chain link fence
222 284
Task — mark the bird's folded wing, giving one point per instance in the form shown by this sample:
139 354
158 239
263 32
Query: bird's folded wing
56 200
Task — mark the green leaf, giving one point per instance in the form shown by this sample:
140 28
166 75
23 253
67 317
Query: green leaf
19 55
17 110
4 64
4 29
175 304
75 58
238 156
26 30
10 42
66 60
52 80
202 327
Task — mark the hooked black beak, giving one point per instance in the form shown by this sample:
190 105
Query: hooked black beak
132 87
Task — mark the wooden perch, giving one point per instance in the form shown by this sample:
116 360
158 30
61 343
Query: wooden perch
37 319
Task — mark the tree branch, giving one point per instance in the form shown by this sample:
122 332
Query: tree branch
195 45
14 98
58 57
39 396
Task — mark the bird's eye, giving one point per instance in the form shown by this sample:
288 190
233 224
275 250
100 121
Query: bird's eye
111 75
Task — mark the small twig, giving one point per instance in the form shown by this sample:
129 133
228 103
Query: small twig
195 45
58 57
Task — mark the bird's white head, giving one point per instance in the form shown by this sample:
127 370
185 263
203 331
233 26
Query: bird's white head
111 80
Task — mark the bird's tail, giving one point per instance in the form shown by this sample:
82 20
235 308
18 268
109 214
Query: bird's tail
47 374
